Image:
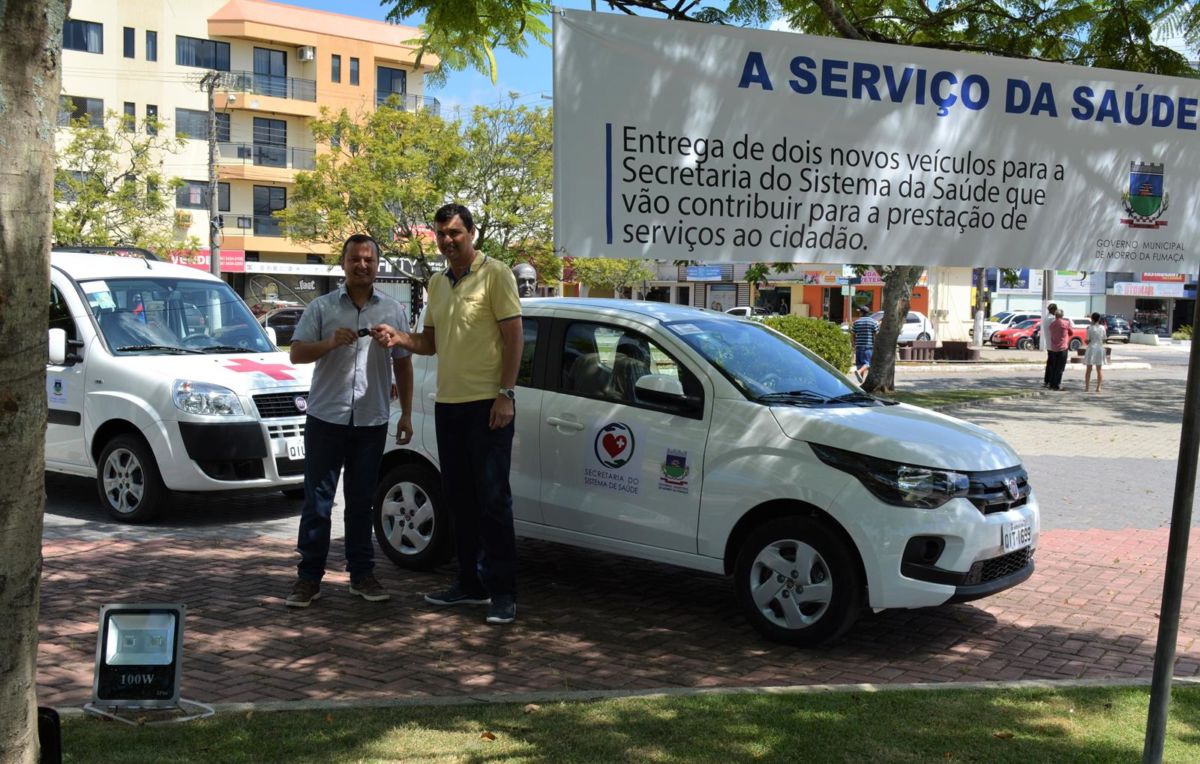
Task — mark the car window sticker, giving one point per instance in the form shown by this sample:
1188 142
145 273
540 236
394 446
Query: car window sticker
684 329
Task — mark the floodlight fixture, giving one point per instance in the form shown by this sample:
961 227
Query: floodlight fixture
139 654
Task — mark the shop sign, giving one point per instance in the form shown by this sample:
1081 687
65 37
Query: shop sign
1165 278
704 273
1147 289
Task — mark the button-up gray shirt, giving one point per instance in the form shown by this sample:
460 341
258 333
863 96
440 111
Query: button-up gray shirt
351 379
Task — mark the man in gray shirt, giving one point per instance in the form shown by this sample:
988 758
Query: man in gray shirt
347 417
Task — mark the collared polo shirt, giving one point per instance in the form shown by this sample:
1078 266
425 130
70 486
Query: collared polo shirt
465 314
351 379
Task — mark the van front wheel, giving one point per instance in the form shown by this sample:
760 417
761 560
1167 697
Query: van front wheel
798 582
128 480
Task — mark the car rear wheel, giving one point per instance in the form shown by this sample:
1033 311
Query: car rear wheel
1076 343
923 337
128 480
1025 344
797 582
412 522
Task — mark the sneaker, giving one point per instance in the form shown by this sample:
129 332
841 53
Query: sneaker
503 610
369 588
303 593
456 596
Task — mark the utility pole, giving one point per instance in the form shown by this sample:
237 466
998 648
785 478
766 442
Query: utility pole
210 82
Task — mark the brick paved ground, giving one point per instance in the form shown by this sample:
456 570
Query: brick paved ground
1103 469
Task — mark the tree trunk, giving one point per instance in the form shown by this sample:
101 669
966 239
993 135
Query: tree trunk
898 283
30 55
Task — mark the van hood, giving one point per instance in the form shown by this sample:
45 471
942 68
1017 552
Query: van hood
899 433
246 373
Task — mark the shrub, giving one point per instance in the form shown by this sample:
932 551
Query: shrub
822 337
1182 333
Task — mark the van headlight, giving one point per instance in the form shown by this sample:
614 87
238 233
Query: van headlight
905 485
205 399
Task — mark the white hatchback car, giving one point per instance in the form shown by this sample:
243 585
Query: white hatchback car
714 443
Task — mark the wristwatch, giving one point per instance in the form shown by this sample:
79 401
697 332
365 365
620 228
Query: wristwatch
508 392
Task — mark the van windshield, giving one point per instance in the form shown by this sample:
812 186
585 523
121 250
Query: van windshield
763 364
149 315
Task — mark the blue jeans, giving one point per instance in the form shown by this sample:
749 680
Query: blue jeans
475 463
327 449
862 357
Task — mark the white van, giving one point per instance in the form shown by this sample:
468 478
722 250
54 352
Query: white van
160 379
714 443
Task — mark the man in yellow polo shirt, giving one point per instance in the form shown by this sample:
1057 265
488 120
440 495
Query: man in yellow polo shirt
473 323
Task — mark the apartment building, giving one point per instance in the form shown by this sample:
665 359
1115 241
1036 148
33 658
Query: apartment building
280 65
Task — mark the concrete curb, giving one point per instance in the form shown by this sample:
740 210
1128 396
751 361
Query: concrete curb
976 368
674 692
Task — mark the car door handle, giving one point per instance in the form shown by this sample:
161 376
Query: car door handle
565 424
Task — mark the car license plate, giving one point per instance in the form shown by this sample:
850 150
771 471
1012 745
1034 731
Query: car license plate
1016 535
295 448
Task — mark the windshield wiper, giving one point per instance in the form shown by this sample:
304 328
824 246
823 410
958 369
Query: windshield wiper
168 348
224 349
797 396
856 396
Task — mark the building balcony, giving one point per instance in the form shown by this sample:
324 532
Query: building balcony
408 102
258 233
265 92
262 162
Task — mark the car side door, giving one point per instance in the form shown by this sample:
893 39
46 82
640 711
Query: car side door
65 383
614 464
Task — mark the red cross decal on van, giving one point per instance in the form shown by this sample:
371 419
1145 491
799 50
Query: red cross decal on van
272 370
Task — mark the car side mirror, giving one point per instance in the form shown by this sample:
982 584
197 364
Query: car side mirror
58 346
666 391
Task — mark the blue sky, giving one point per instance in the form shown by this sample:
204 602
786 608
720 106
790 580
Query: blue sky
529 77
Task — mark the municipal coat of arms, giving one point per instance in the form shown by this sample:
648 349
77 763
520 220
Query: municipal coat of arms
1145 201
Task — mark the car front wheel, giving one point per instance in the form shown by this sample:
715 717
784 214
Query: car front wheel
1025 344
128 480
412 522
1076 344
798 582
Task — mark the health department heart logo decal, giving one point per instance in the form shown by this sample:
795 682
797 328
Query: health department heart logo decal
614 445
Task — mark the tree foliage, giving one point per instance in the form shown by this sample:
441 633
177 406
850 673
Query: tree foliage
110 188
821 337
507 181
610 273
384 173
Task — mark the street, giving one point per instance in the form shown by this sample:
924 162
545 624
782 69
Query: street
1103 467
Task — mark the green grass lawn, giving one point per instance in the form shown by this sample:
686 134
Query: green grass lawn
1020 726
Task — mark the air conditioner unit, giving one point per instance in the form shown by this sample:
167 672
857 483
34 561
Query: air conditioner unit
306 53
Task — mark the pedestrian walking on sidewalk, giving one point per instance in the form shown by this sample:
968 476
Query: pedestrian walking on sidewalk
473 324
1096 334
1060 336
865 330
1044 332
347 417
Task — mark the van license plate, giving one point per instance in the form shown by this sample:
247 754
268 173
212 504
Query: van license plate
295 448
1017 535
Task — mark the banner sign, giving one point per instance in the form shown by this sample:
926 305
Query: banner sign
1065 282
704 273
1148 289
723 144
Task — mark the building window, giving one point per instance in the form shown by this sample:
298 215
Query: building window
335 68
267 201
151 119
354 71
270 142
151 45
190 123
130 117
71 108
389 82
193 195
129 52
87 36
205 54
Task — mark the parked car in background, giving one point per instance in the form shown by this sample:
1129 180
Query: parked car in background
1019 336
684 436
1118 328
283 321
1002 320
1077 340
749 310
916 327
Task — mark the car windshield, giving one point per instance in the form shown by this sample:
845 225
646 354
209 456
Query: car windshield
1001 316
763 364
149 316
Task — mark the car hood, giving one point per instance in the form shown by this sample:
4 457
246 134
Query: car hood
900 433
241 372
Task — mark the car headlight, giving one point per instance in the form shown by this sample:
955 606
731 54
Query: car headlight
204 398
904 485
